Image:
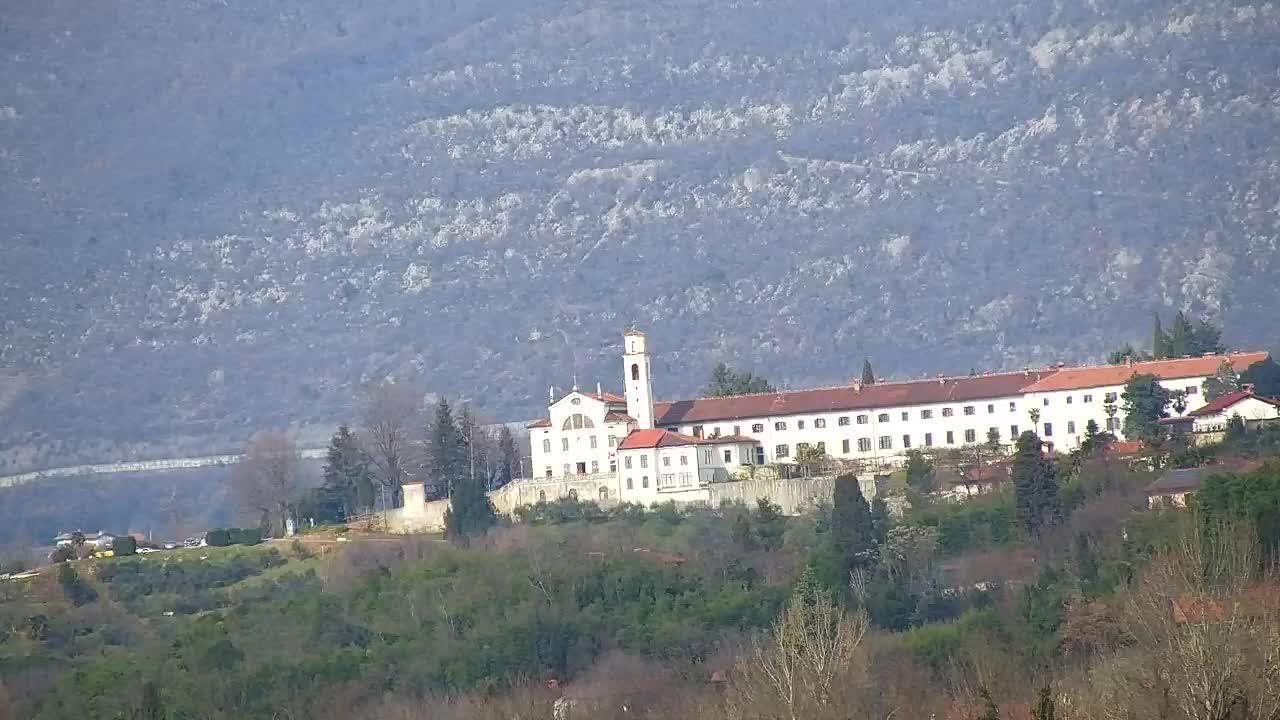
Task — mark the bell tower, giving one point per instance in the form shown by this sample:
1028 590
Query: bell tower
638 381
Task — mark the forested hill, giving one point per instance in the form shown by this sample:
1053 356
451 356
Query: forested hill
221 216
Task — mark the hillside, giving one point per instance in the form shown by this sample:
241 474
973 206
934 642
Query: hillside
225 216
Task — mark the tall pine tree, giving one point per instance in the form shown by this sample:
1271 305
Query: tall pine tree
348 479
1035 485
868 375
852 529
470 511
508 458
1180 336
447 462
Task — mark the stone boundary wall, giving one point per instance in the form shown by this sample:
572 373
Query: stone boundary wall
139 466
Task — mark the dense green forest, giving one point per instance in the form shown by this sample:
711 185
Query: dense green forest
1011 602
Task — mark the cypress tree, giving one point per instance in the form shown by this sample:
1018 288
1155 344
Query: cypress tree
1035 485
1159 341
469 512
508 457
852 530
348 478
868 375
1180 336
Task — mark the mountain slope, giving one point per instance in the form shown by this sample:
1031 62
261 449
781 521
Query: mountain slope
227 215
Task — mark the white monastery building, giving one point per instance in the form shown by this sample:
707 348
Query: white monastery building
647 451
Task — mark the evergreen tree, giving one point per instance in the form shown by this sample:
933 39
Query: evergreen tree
348 479
1159 341
921 476
868 375
1205 337
1126 353
852 532
1179 336
742 536
726 381
446 451
1223 380
1264 376
769 523
1035 485
470 510
1094 439
508 458
1086 563
1145 402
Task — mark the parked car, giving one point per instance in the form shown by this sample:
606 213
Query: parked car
144 551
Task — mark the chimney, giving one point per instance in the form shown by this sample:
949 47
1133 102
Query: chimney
942 379
599 391
857 386
551 394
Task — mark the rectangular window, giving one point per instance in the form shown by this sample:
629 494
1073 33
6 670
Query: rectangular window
1071 427
644 482
951 437
905 416
844 446
781 451
799 424
886 442
666 461
948 412
1088 399
991 408
926 414
1046 402
684 459
546 446
993 434
630 484
626 462
970 436
566 468
595 466
613 466
759 454
779 425
697 431
686 479
906 441
728 456
1048 447
737 429
862 419
1068 399
644 461
1013 407
1113 424
884 417
668 480
822 448
1013 431
564 444
1048 429
843 421
593 442
820 423
864 444
548 471
758 427
801 447
1193 390
928 439
969 410
1109 397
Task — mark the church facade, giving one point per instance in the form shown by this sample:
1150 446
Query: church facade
642 450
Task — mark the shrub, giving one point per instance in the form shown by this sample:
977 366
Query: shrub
124 546
74 587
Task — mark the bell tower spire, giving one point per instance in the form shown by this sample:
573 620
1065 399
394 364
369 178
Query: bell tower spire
637 378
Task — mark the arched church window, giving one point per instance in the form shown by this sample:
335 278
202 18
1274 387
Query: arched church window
604 493
577 421
542 496
573 494
635 371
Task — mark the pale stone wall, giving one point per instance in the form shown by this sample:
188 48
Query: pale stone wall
795 496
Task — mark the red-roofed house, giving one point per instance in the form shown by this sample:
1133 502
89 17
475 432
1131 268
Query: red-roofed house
1254 410
658 465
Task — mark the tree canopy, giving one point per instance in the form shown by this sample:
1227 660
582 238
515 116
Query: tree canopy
852 529
1035 485
1223 380
1145 403
1264 376
727 381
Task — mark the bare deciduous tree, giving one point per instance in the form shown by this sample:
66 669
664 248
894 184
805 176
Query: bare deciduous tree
266 479
793 672
390 414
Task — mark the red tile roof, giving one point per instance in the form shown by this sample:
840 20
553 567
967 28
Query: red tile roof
539 423
618 417
1103 375
1124 448
648 439
1225 401
849 397
605 397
